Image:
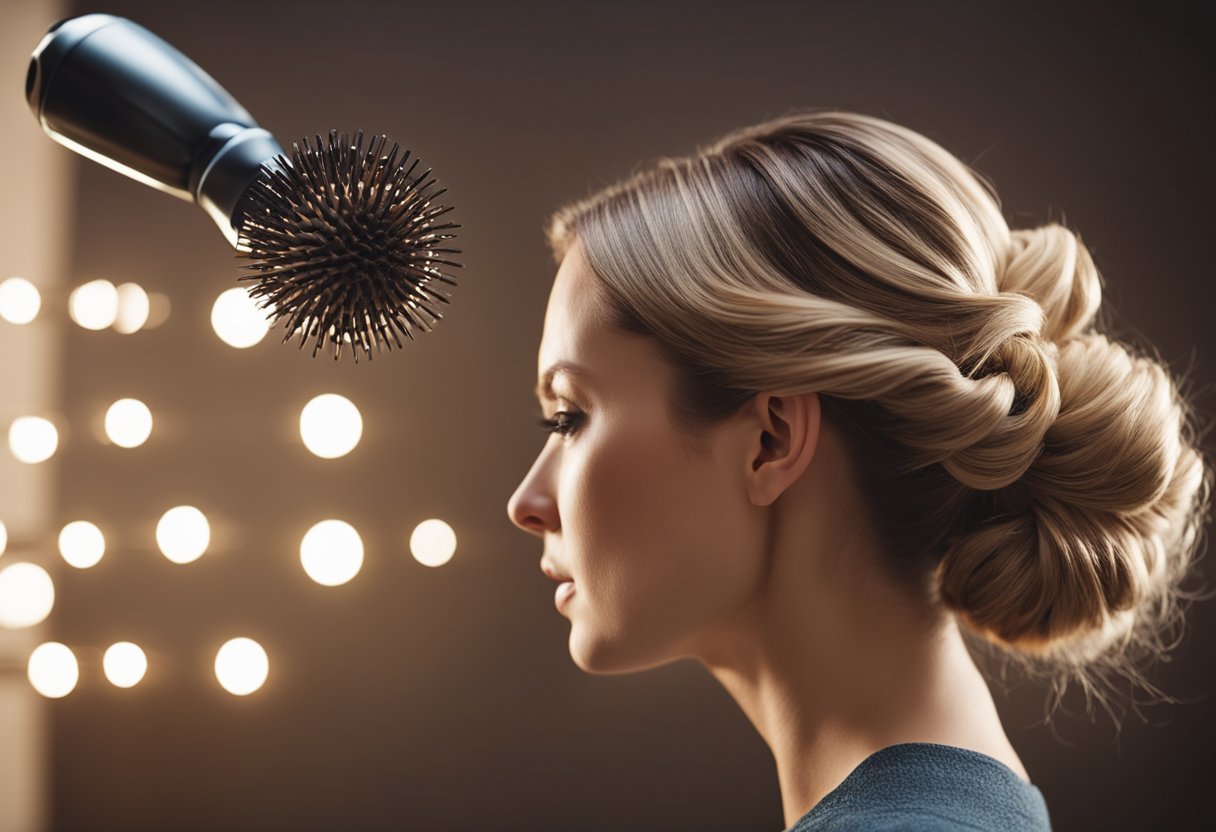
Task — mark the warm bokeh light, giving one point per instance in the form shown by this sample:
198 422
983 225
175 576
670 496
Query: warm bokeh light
433 543
124 664
235 317
32 439
53 670
183 534
133 308
241 666
128 423
26 595
330 425
82 544
331 552
3 537
19 300
94 305
158 309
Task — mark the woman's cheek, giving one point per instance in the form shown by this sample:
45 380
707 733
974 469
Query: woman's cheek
639 529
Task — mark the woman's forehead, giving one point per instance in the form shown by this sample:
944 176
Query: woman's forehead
573 321
576 292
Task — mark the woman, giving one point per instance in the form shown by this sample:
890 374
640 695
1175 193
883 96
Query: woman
820 415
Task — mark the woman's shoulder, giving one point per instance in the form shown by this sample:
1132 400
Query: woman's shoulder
929 786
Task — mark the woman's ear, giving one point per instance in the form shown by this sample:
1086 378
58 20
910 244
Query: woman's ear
786 431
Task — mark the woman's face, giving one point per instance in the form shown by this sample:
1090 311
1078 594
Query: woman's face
662 545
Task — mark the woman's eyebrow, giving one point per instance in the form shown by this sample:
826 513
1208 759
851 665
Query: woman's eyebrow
544 389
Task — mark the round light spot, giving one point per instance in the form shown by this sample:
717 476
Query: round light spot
236 319
331 552
124 664
94 305
3 537
19 300
158 309
241 666
133 308
82 544
183 534
53 670
330 425
433 543
32 439
27 595
128 423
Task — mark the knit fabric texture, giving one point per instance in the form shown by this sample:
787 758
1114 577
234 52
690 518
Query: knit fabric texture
928 787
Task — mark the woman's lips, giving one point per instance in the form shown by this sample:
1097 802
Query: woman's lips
565 591
565 587
550 570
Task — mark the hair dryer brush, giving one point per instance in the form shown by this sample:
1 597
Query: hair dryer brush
344 241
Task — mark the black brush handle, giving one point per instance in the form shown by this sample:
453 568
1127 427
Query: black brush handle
112 91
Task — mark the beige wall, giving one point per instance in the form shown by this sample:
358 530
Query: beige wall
32 245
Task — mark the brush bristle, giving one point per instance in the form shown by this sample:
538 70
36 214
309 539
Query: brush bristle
346 245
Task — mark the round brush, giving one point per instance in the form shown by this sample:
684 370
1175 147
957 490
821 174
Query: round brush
345 243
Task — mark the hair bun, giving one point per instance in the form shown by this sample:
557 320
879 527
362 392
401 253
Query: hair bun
1053 266
1029 405
1110 522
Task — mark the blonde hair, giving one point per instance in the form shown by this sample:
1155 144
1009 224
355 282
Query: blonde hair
1038 478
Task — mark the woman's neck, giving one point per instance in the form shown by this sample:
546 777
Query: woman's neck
831 663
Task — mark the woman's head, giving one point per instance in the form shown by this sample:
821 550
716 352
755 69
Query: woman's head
663 545
1014 465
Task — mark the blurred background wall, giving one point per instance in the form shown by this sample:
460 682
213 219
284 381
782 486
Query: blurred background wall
444 697
34 243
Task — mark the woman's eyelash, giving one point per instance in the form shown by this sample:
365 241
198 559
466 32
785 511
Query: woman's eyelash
563 422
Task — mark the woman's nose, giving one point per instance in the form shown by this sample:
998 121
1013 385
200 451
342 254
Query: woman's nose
531 508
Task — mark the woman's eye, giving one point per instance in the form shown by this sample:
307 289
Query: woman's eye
563 422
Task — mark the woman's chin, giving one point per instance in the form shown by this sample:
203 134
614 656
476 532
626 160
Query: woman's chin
607 658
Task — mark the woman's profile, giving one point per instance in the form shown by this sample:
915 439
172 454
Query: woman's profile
825 424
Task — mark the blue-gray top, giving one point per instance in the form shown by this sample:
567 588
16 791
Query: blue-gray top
929 787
